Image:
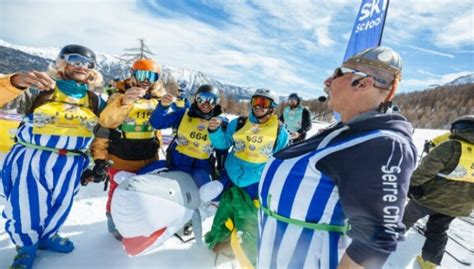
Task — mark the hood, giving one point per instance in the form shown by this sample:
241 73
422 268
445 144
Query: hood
374 120
363 123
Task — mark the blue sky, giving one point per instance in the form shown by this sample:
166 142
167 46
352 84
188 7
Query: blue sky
284 45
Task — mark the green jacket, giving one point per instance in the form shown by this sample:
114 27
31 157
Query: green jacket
449 197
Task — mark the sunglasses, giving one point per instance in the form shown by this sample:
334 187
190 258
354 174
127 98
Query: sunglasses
142 75
78 60
207 97
341 71
261 101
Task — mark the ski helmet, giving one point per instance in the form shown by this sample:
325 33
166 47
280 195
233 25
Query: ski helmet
267 93
295 96
146 65
206 88
463 124
381 63
77 49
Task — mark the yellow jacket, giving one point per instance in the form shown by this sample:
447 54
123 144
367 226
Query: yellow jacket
7 91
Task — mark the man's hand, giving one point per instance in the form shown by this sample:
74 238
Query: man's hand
33 79
167 99
214 123
132 94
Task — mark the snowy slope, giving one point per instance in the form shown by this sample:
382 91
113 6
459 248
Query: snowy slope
111 67
95 248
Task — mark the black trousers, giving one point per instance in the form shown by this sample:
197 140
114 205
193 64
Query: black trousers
436 230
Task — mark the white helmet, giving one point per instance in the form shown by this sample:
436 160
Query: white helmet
268 94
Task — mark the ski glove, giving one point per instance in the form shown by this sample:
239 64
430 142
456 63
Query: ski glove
415 192
97 174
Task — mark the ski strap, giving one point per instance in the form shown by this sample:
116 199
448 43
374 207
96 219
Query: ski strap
67 152
304 224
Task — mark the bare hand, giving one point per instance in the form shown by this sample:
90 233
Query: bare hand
214 123
167 99
132 94
295 135
33 79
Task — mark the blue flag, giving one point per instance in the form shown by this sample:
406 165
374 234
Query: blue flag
368 27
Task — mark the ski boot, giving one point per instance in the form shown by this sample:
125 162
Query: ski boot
111 227
424 264
56 244
24 257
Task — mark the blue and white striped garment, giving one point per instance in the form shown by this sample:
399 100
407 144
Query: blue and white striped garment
39 187
295 189
25 133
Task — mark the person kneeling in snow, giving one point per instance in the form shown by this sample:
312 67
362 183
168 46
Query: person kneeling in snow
253 140
191 149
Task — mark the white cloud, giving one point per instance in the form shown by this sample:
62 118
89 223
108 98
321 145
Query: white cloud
444 23
458 32
431 51
421 84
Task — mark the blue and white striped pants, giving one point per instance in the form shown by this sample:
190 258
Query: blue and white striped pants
39 187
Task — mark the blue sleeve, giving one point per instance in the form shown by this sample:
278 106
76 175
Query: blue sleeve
187 104
101 103
222 137
282 139
373 179
161 119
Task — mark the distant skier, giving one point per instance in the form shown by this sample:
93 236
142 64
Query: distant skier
252 141
124 135
41 173
355 172
443 188
297 118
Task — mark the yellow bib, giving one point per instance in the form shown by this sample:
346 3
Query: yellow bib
65 116
254 142
440 139
193 138
179 103
465 169
136 124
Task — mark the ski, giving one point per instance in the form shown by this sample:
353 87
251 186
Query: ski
469 220
460 242
457 251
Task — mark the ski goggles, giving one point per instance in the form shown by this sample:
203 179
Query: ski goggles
78 60
206 97
463 126
341 71
261 101
142 75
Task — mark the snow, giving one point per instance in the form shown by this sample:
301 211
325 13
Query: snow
96 248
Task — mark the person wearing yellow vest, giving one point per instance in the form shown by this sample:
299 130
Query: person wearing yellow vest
252 140
124 135
191 148
42 171
443 187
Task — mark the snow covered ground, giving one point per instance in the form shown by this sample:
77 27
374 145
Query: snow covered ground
96 248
